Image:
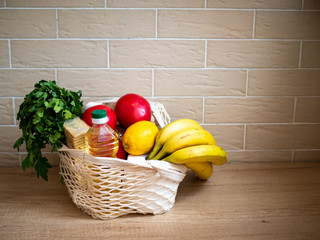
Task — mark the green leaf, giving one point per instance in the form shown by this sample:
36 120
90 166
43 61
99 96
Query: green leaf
29 144
56 136
61 179
40 112
57 108
39 128
60 126
38 94
31 158
25 163
18 143
36 119
67 114
41 117
42 166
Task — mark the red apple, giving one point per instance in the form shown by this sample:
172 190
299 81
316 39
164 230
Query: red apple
86 116
121 152
132 108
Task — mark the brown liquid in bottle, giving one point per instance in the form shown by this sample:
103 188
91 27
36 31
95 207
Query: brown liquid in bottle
102 141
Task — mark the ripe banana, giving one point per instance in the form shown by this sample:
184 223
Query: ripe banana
187 138
169 130
200 153
203 169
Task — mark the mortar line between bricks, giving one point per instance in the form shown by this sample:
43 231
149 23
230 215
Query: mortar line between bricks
254 24
300 53
244 136
57 23
223 124
156 27
194 96
205 53
247 82
10 59
165 39
165 8
14 111
294 109
108 54
162 68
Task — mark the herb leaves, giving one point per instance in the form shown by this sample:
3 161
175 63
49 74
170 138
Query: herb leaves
41 116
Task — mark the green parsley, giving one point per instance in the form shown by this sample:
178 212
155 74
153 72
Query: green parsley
41 116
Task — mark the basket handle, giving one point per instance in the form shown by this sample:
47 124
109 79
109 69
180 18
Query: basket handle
174 172
159 113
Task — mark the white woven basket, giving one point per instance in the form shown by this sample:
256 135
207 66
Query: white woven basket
106 188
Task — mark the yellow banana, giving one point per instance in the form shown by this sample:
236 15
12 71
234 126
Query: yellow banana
169 130
187 138
203 169
157 145
200 153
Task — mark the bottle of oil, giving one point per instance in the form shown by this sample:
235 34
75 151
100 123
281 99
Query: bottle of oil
101 140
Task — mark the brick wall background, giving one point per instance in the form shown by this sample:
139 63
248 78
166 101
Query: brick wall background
248 71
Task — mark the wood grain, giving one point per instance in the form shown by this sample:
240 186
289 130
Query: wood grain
240 201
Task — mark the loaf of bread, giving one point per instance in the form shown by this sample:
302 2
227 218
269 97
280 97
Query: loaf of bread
75 130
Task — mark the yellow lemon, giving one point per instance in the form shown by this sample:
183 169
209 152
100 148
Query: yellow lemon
139 138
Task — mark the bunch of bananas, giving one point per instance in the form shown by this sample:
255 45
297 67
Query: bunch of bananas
184 141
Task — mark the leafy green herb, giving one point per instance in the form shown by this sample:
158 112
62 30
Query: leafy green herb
41 116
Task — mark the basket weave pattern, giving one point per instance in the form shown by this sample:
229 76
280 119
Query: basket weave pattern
106 188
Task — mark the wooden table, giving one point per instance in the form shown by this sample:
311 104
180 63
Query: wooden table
240 201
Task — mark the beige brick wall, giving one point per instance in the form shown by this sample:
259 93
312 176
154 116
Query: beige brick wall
248 71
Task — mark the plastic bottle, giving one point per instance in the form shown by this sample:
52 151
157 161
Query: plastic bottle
101 140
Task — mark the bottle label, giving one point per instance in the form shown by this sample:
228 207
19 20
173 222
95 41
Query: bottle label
99 120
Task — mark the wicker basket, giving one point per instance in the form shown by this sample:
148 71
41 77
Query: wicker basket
106 188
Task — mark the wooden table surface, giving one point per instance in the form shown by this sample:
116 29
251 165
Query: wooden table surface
240 201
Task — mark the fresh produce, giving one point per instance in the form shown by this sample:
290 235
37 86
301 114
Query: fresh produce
42 115
184 141
121 152
201 153
132 108
112 118
187 138
203 170
139 138
171 129
45 110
